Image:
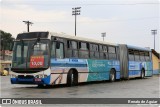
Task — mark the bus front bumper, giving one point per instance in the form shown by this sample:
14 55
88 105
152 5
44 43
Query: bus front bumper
33 80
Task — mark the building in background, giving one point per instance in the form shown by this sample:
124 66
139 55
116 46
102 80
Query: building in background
5 62
156 62
6 55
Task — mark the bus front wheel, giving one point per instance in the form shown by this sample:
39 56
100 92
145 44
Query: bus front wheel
40 86
72 78
112 76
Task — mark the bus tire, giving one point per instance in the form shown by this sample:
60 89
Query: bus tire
142 74
72 78
40 86
112 76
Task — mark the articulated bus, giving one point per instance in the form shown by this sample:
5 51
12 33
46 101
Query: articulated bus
46 58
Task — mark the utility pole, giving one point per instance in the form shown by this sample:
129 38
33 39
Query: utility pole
154 32
103 35
76 11
28 23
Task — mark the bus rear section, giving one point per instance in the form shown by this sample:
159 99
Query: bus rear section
135 62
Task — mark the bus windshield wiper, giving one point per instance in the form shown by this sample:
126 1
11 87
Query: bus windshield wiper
22 46
37 40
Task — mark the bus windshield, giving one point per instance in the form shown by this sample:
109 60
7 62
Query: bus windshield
31 54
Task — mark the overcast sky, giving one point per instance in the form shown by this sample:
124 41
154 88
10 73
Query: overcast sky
124 21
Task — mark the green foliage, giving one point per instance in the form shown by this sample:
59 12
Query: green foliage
6 40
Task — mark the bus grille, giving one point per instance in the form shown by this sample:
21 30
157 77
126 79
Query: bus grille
25 77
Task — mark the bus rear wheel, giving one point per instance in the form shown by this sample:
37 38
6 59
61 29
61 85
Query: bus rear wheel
72 78
112 76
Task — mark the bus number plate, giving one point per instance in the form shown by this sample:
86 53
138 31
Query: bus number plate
37 79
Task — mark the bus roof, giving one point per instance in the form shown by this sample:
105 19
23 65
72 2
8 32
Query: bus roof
138 48
81 38
63 35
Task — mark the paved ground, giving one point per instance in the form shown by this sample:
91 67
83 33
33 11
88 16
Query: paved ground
135 88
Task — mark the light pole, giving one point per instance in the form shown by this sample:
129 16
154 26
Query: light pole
28 23
154 32
103 35
76 11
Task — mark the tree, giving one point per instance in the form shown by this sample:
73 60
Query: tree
6 40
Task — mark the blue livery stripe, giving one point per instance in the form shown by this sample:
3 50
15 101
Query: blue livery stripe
67 65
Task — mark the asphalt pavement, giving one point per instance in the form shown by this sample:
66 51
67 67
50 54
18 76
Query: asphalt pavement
134 88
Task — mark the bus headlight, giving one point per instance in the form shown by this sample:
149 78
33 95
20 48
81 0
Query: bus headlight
37 76
13 76
45 76
40 76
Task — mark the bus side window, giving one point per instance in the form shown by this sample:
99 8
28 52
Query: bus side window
69 49
131 55
136 55
91 51
112 52
83 50
94 51
103 52
57 53
72 49
60 51
142 58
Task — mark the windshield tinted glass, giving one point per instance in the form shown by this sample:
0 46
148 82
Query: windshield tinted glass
31 54
39 54
20 54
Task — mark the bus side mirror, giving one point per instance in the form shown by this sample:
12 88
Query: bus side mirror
57 45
